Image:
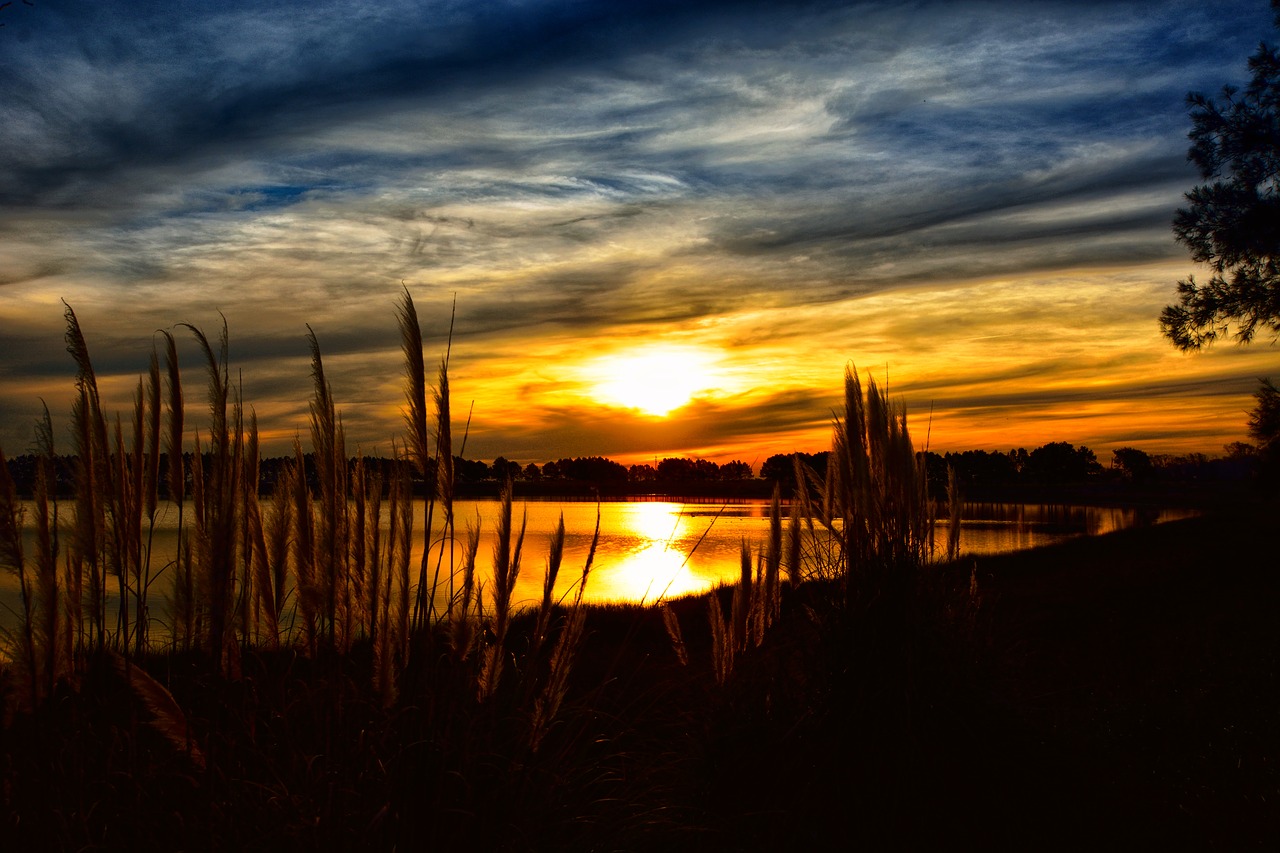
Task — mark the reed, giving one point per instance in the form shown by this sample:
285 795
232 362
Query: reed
506 570
671 624
955 503
555 555
219 545
332 542
463 625
723 645
342 632
49 633
13 558
150 501
310 595
444 492
93 488
417 439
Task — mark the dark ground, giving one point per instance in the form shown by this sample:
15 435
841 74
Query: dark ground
1121 692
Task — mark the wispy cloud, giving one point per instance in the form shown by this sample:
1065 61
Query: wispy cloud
984 186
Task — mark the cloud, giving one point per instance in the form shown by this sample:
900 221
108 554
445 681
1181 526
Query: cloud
582 174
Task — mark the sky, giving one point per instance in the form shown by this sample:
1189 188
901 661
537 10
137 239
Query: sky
658 228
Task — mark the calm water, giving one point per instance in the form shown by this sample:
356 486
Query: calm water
654 549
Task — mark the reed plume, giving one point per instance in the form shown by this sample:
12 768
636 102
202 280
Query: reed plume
722 641
218 546
878 491
555 556
672 625
93 481
506 569
444 488
151 497
167 718
329 454
177 478
176 473
417 441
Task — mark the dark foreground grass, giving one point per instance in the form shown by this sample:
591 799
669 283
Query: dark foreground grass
846 690
1147 663
1115 692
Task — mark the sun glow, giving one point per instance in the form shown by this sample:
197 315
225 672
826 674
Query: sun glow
656 380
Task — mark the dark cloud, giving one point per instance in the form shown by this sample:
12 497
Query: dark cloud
595 169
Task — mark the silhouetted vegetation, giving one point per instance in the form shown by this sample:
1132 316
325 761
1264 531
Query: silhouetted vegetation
988 473
1233 222
310 691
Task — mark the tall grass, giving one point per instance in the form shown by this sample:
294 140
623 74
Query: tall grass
430 664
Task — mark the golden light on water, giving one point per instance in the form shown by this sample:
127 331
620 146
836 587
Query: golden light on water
648 557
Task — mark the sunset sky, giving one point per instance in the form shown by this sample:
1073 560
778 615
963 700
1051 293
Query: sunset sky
971 201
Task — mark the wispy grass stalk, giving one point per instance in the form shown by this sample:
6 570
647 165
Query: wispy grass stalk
417 441
354 591
13 559
253 547
329 454
462 625
184 603
954 510
555 555
93 480
373 551
310 596
151 499
672 625
403 551
444 489
48 634
547 700
740 625
218 546
506 570
722 642
773 559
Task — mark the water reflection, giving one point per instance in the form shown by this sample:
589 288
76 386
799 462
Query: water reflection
996 528
650 550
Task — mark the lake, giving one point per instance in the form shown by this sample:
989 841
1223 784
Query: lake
651 549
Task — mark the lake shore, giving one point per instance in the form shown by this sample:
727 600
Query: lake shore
1103 493
1113 691
1120 691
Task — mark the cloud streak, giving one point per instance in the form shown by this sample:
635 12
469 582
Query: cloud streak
984 186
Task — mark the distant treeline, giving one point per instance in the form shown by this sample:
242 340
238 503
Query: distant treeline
1051 465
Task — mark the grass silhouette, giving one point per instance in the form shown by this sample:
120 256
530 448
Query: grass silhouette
312 691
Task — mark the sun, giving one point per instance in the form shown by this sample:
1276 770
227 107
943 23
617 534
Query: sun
654 380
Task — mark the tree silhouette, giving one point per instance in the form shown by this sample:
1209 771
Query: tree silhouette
1058 462
1233 223
1264 420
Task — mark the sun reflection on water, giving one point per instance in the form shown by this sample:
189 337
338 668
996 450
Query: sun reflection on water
652 562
